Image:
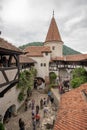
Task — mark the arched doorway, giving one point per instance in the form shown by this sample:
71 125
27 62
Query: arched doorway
39 83
9 113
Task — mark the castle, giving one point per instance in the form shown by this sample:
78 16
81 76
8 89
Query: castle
50 58
43 55
46 59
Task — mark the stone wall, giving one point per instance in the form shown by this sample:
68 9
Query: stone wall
56 96
9 99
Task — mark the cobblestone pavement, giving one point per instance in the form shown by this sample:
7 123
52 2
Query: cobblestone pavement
26 115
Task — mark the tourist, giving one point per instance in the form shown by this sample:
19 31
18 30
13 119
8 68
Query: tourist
37 117
37 109
34 124
21 124
48 98
52 100
26 104
35 83
33 116
32 103
61 89
29 92
45 110
49 93
44 102
33 111
29 103
41 103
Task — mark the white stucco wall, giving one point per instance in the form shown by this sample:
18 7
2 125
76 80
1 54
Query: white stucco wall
9 99
42 70
58 51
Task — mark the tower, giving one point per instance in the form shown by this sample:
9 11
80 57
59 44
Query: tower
53 39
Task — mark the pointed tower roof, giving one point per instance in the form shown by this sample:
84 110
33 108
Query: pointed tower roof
53 32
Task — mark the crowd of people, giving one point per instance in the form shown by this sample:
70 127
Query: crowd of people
35 111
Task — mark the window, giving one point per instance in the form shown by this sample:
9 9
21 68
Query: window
44 64
41 64
46 53
53 47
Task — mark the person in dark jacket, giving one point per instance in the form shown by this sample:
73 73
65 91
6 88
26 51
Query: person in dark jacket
52 100
41 103
37 109
21 124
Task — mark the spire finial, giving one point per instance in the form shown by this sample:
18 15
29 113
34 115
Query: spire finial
53 13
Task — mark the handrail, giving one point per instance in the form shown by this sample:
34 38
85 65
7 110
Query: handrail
8 68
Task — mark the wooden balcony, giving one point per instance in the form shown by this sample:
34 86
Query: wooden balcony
56 66
8 77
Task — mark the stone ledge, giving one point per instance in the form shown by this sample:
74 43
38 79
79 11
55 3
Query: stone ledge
56 95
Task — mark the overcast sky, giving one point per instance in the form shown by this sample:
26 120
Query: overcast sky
24 21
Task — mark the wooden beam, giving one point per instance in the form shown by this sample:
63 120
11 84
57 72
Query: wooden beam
9 60
5 76
16 75
8 87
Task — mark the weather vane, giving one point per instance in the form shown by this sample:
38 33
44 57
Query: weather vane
53 13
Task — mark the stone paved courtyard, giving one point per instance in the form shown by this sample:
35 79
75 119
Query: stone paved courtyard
26 115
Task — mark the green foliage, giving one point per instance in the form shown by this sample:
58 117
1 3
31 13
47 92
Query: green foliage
26 82
22 80
79 77
69 51
1 126
66 50
33 71
52 77
21 96
79 72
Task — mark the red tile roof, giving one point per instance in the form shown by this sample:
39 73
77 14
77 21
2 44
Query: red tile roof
76 57
72 113
53 32
8 46
25 59
37 50
58 58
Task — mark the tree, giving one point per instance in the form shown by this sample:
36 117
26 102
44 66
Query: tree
52 77
79 76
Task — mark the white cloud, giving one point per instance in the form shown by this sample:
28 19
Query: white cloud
24 21
69 24
15 11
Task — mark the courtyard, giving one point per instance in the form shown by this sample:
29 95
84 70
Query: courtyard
27 116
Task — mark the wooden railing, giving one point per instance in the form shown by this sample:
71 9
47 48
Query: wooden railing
8 76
